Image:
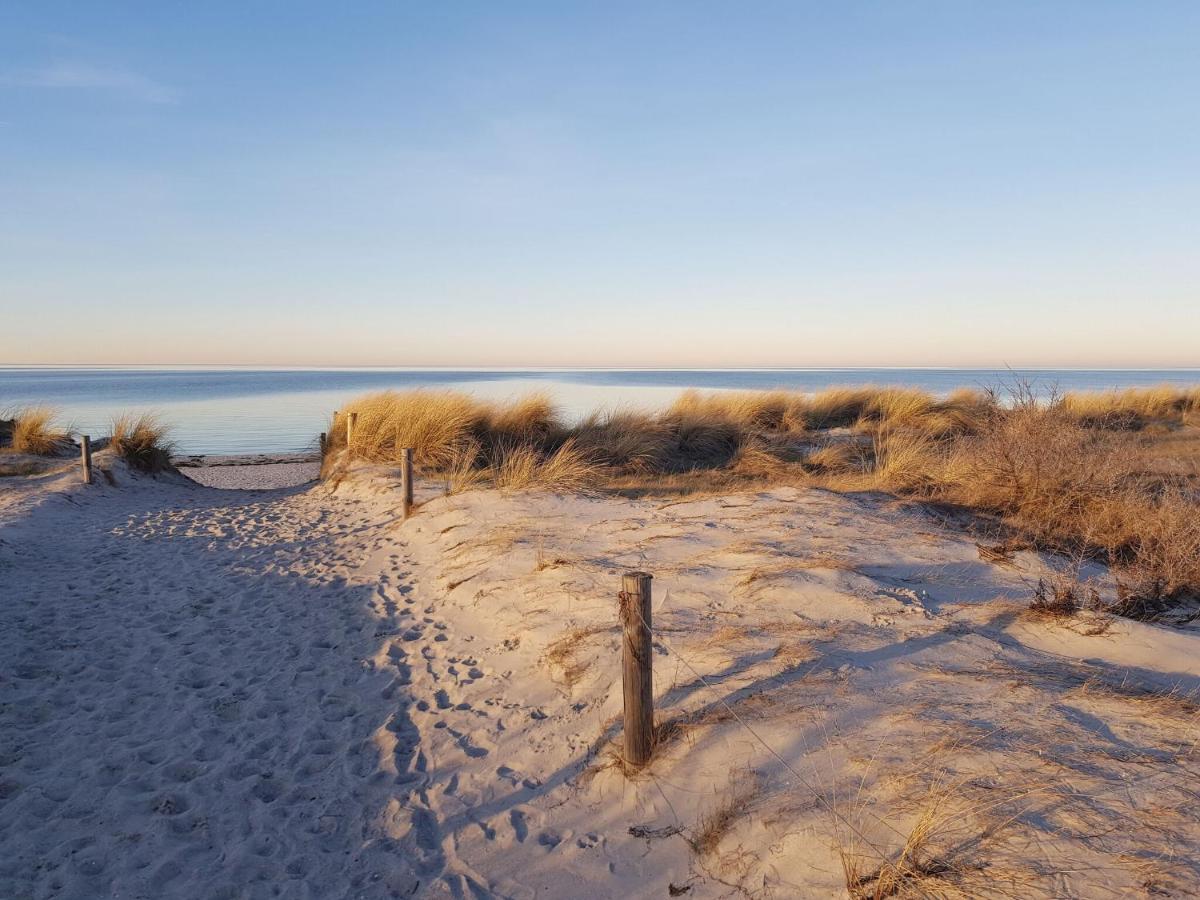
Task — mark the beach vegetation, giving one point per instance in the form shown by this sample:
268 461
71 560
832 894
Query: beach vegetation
141 440
35 431
1075 474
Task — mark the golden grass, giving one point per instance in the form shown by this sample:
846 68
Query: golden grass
747 410
1057 471
1134 407
437 425
713 825
522 466
141 440
33 431
915 871
633 441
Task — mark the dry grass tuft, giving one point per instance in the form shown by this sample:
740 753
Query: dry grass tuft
743 791
837 407
916 870
142 442
563 654
745 410
1133 408
627 440
522 466
438 425
33 431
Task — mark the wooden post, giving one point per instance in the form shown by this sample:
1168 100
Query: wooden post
324 441
351 421
406 479
638 671
85 449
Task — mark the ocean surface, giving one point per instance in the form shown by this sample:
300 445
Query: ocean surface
243 410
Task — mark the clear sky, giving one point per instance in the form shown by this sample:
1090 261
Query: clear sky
683 184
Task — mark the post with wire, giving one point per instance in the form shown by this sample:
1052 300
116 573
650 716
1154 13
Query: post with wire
638 668
406 480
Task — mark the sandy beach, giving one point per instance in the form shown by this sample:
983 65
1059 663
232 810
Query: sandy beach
227 693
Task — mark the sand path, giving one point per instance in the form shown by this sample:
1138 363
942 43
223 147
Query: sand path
188 703
289 693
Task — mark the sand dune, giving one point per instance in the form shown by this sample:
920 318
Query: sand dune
292 693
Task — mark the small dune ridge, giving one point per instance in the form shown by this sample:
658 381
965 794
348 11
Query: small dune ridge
1087 474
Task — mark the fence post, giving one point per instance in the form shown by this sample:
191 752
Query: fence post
324 441
85 450
406 479
351 421
638 667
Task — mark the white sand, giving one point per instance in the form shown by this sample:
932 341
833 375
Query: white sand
227 694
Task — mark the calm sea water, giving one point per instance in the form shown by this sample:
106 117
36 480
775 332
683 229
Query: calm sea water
234 410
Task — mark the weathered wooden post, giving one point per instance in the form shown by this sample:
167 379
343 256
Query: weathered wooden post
406 479
351 421
324 441
638 668
85 450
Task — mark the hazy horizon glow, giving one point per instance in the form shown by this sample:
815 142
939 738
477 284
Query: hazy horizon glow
626 185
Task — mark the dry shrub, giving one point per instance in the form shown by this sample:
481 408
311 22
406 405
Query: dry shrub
1040 469
1063 485
1157 541
141 440
1060 598
34 432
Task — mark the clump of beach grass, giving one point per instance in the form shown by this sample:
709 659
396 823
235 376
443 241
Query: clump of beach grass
141 440
34 431
744 790
1133 408
521 466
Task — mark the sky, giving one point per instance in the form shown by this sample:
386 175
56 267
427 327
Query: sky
685 184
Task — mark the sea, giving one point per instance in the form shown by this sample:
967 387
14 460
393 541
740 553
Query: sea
233 410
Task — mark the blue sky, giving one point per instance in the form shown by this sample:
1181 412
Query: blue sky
692 184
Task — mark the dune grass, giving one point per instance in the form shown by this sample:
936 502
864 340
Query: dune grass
141 440
34 431
1134 408
1068 473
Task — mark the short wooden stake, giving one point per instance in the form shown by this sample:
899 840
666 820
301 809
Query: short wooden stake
85 450
351 421
638 671
324 441
406 479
